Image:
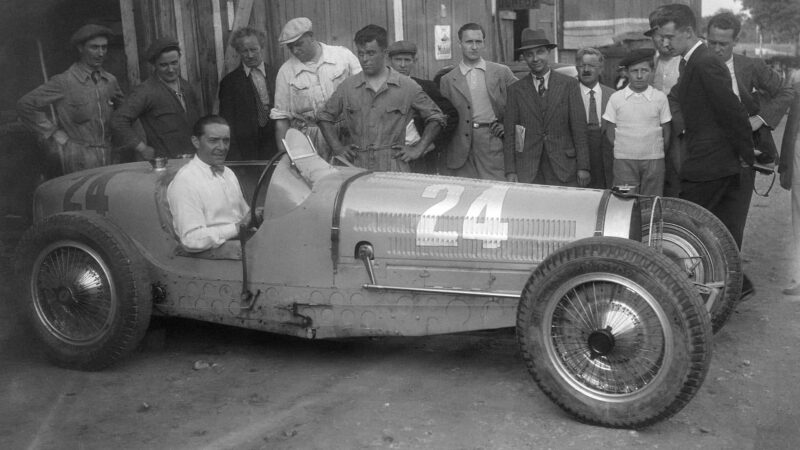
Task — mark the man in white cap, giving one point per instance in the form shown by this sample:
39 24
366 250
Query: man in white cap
307 80
83 97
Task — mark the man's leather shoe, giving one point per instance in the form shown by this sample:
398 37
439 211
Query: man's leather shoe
793 290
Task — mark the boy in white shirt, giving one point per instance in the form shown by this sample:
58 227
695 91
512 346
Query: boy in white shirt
638 119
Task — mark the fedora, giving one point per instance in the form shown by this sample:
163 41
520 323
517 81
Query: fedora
534 38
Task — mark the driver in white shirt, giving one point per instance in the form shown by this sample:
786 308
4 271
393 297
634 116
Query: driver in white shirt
205 198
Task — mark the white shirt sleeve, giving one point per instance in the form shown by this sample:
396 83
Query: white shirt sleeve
611 109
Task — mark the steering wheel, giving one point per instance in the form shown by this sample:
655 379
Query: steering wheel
263 182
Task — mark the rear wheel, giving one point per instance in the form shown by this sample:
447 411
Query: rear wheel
85 290
703 248
613 333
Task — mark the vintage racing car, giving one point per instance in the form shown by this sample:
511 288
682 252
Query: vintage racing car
613 296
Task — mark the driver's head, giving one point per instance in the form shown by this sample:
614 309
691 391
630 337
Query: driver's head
211 137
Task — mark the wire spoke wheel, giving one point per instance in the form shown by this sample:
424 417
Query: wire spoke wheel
613 332
84 288
73 292
609 337
702 247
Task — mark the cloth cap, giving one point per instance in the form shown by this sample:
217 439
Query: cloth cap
396 48
534 38
87 32
636 56
294 29
161 46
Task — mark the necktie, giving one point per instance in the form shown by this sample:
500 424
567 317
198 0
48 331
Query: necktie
217 170
594 122
257 78
541 89
681 66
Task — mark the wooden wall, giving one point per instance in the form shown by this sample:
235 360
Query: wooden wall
201 27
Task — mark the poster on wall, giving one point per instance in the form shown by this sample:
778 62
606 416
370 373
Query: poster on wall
443 42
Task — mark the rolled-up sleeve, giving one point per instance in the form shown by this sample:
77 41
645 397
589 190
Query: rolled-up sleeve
29 107
334 106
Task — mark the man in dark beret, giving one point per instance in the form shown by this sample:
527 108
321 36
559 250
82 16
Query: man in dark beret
403 58
166 105
83 98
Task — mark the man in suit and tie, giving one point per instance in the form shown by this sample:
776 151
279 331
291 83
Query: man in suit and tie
477 88
716 164
546 122
589 62
758 87
244 99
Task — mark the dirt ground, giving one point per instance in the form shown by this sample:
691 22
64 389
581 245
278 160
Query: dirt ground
195 385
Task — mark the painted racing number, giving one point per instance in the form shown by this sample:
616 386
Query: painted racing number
483 221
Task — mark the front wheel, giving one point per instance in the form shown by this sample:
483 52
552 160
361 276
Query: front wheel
614 333
85 290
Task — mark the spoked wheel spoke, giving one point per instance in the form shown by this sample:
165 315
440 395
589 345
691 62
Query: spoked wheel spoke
73 292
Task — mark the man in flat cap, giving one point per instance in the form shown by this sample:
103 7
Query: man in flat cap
639 119
477 88
245 99
165 104
546 122
375 106
403 58
83 98
307 80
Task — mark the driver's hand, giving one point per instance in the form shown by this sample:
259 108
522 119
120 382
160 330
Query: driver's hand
584 177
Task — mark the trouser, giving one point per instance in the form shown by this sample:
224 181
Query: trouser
727 198
646 174
486 160
546 174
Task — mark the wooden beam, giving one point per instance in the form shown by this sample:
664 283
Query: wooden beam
179 30
129 38
397 12
243 11
219 46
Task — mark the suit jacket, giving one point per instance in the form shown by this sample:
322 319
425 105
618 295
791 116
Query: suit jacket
554 124
453 86
606 145
762 93
717 129
790 134
167 126
237 104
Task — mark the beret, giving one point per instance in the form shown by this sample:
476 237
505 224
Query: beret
636 56
294 29
90 31
396 48
160 46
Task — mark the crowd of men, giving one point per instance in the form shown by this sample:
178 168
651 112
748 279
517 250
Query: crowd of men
689 120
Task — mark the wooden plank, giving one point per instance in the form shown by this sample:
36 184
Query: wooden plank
179 31
243 11
219 46
130 43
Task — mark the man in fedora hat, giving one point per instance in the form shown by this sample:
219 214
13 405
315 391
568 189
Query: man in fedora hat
166 104
546 122
477 88
83 97
307 80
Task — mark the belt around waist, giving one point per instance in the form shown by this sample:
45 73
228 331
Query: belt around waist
481 125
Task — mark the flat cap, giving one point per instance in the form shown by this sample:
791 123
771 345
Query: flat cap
637 55
294 29
90 31
396 48
161 46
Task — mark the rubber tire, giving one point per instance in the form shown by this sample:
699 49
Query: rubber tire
697 226
689 324
129 321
